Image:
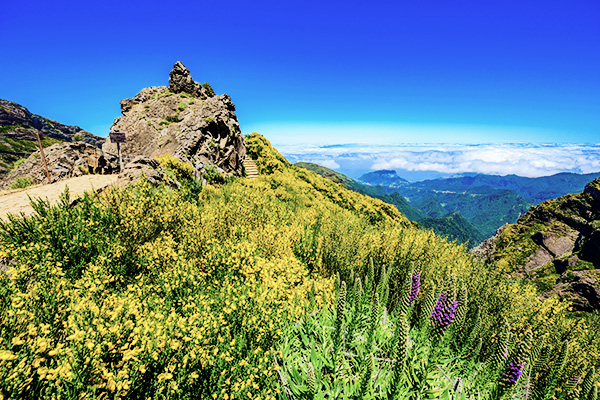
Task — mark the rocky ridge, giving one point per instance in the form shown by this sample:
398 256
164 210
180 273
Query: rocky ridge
185 119
18 127
557 245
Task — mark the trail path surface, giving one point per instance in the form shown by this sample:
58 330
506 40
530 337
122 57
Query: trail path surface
16 202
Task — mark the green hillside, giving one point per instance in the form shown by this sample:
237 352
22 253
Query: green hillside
287 286
377 192
450 225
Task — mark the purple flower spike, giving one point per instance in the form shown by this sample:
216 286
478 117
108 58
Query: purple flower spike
443 312
414 290
513 372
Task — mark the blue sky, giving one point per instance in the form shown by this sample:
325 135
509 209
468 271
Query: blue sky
319 72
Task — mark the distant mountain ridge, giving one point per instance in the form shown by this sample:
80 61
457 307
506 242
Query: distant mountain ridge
532 189
384 177
486 201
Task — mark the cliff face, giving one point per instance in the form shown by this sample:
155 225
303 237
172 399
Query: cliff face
556 244
18 128
185 119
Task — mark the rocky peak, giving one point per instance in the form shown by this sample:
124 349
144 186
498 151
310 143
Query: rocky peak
185 119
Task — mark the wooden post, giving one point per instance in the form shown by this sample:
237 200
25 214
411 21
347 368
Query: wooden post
118 138
43 156
120 158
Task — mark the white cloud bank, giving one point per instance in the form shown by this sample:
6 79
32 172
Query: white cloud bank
530 160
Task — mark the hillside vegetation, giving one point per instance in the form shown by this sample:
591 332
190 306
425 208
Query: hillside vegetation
265 289
446 224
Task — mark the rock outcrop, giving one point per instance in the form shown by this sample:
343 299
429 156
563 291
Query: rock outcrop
148 167
556 244
184 119
18 128
65 160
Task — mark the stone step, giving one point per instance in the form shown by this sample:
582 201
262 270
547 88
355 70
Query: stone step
251 168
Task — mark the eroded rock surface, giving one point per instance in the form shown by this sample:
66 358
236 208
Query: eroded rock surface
145 166
581 288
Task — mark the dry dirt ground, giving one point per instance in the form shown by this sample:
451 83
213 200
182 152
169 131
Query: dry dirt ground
17 201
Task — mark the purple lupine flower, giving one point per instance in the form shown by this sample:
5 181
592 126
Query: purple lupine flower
513 372
444 312
414 289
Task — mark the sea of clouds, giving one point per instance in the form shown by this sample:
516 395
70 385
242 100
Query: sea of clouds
428 161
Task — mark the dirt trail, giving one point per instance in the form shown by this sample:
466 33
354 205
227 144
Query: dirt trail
15 202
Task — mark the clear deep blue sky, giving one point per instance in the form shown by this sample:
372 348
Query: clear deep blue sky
415 71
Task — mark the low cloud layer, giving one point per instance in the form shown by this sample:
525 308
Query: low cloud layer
531 160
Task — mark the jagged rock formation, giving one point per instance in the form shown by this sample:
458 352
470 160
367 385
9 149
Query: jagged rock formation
18 127
65 160
184 119
556 244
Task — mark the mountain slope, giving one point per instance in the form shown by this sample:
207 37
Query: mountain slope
376 192
557 245
18 127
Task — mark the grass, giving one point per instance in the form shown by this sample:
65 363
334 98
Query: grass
8 128
21 182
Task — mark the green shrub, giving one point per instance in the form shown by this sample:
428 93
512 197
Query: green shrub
173 118
209 90
77 138
182 105
213 176
267 158
21 182
48 141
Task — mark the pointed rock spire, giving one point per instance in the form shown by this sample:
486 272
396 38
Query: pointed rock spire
180 80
